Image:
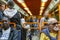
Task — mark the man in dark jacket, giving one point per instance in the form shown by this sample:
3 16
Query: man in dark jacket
6 32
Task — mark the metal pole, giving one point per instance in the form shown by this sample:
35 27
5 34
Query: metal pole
59 21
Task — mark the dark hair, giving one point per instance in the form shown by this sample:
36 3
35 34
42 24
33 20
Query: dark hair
10 3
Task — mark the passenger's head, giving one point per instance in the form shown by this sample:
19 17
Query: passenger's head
53 24
10 4
2 6
5 21
46 16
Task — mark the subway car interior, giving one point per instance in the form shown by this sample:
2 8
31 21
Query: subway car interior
29 19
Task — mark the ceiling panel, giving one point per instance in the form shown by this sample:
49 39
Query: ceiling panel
34 5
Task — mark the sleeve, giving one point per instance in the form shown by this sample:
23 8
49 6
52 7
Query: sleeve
43 37
5 12
15 37
41 21
1 15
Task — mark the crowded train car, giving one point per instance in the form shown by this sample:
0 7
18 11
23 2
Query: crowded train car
29 19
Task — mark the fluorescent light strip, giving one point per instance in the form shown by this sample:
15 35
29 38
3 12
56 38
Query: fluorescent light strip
41 8
25 7
29 12
40 14
44 0
43 4
41 11
20 1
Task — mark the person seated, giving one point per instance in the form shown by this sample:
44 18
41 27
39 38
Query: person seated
6 32
50 33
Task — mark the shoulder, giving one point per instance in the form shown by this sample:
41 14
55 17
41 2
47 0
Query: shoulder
6 9
43 34
45 30
14 30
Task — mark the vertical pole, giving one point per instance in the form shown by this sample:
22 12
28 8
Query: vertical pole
59 12
59 22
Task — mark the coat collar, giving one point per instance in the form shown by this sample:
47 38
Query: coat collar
12 29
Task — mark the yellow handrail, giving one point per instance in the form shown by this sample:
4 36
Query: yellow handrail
11 23
33 23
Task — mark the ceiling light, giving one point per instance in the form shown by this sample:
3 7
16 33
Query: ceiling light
20 1
44 0
41 12
23 4
29 12
43 4
26 8
42 8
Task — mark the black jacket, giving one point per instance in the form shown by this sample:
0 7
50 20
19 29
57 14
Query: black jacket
13 34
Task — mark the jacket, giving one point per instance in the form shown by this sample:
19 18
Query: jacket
1 15
13 34
47 33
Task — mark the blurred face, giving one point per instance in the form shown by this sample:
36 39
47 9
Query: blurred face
46 16
54 26
2 7
5 22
